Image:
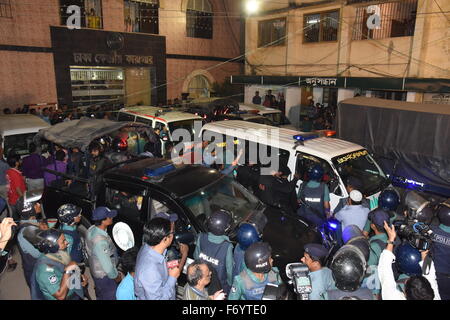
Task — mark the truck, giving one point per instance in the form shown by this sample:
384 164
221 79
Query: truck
410 141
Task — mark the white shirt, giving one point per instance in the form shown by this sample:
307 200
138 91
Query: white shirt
389 289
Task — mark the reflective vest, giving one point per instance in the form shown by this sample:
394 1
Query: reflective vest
313 197
360 294
255 290
440 250
94 263
76 253
215 254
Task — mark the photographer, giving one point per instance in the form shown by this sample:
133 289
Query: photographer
440 250
321 277
416 287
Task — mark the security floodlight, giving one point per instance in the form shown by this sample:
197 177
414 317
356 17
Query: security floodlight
252 6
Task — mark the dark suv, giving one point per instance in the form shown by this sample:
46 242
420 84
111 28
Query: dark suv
142 188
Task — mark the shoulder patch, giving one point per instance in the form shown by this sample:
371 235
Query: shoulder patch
49 269
53 279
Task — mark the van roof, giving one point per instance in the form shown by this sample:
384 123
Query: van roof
260 108
20 124
326 148
168 115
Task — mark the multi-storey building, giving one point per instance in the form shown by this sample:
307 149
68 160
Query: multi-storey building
126 51
332 50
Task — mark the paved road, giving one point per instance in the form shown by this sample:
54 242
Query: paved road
14 287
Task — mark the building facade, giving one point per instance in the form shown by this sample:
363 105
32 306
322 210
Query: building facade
125 51
333 50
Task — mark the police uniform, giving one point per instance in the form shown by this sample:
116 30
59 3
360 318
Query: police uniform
46 279
360 294
247 287
440 252
75 245
217 251
321 280
28 252
103 259
314 194
238 259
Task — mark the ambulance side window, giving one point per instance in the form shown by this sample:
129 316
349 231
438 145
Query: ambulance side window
306 161
145 121
125 117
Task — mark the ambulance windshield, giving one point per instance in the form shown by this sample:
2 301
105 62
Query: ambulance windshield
360 164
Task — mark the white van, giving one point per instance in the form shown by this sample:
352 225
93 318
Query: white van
17 132
299 151
274 115
157 118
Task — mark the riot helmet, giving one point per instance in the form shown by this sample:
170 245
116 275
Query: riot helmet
388 200
67 213
348 268
25 205
257 257
48 241
407 259
419 208
119 144
247 235
219 222
444 213
316 173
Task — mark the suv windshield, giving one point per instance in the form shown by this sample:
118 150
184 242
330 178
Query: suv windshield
18 143
225 194
361 165
277 118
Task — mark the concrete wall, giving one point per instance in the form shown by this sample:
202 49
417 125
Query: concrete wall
424 55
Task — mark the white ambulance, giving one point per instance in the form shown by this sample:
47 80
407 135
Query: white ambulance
276 116
158 118
17 132
299 151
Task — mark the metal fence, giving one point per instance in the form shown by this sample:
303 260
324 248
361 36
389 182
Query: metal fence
385 20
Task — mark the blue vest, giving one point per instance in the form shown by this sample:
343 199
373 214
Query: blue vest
255 290
215 255
314 209
440 250
77 249
238 258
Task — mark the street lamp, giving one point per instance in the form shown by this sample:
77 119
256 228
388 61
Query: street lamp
252 6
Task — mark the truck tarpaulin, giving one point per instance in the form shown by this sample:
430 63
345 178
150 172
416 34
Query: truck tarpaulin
411 141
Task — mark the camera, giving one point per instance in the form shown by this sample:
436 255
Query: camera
418 234
299 273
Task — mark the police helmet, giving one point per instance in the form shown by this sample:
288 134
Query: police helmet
247 235
407 259
316 172
444 213
48 241
257 257
68 212
219 222
25 208
119 144
348 268
425 215
388 200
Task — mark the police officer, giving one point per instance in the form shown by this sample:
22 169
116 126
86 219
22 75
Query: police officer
216 249
348 268
407 260
379 240
28 211
257 273
246 236
388 201
314 197
69 216
119 151
440 250
321 277
55 276
96 162
102 254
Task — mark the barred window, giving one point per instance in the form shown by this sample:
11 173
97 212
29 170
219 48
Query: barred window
91 12
322 26
142 16
199 19
397 19
5 9
272 32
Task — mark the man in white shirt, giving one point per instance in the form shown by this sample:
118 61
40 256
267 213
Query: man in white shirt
416 288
